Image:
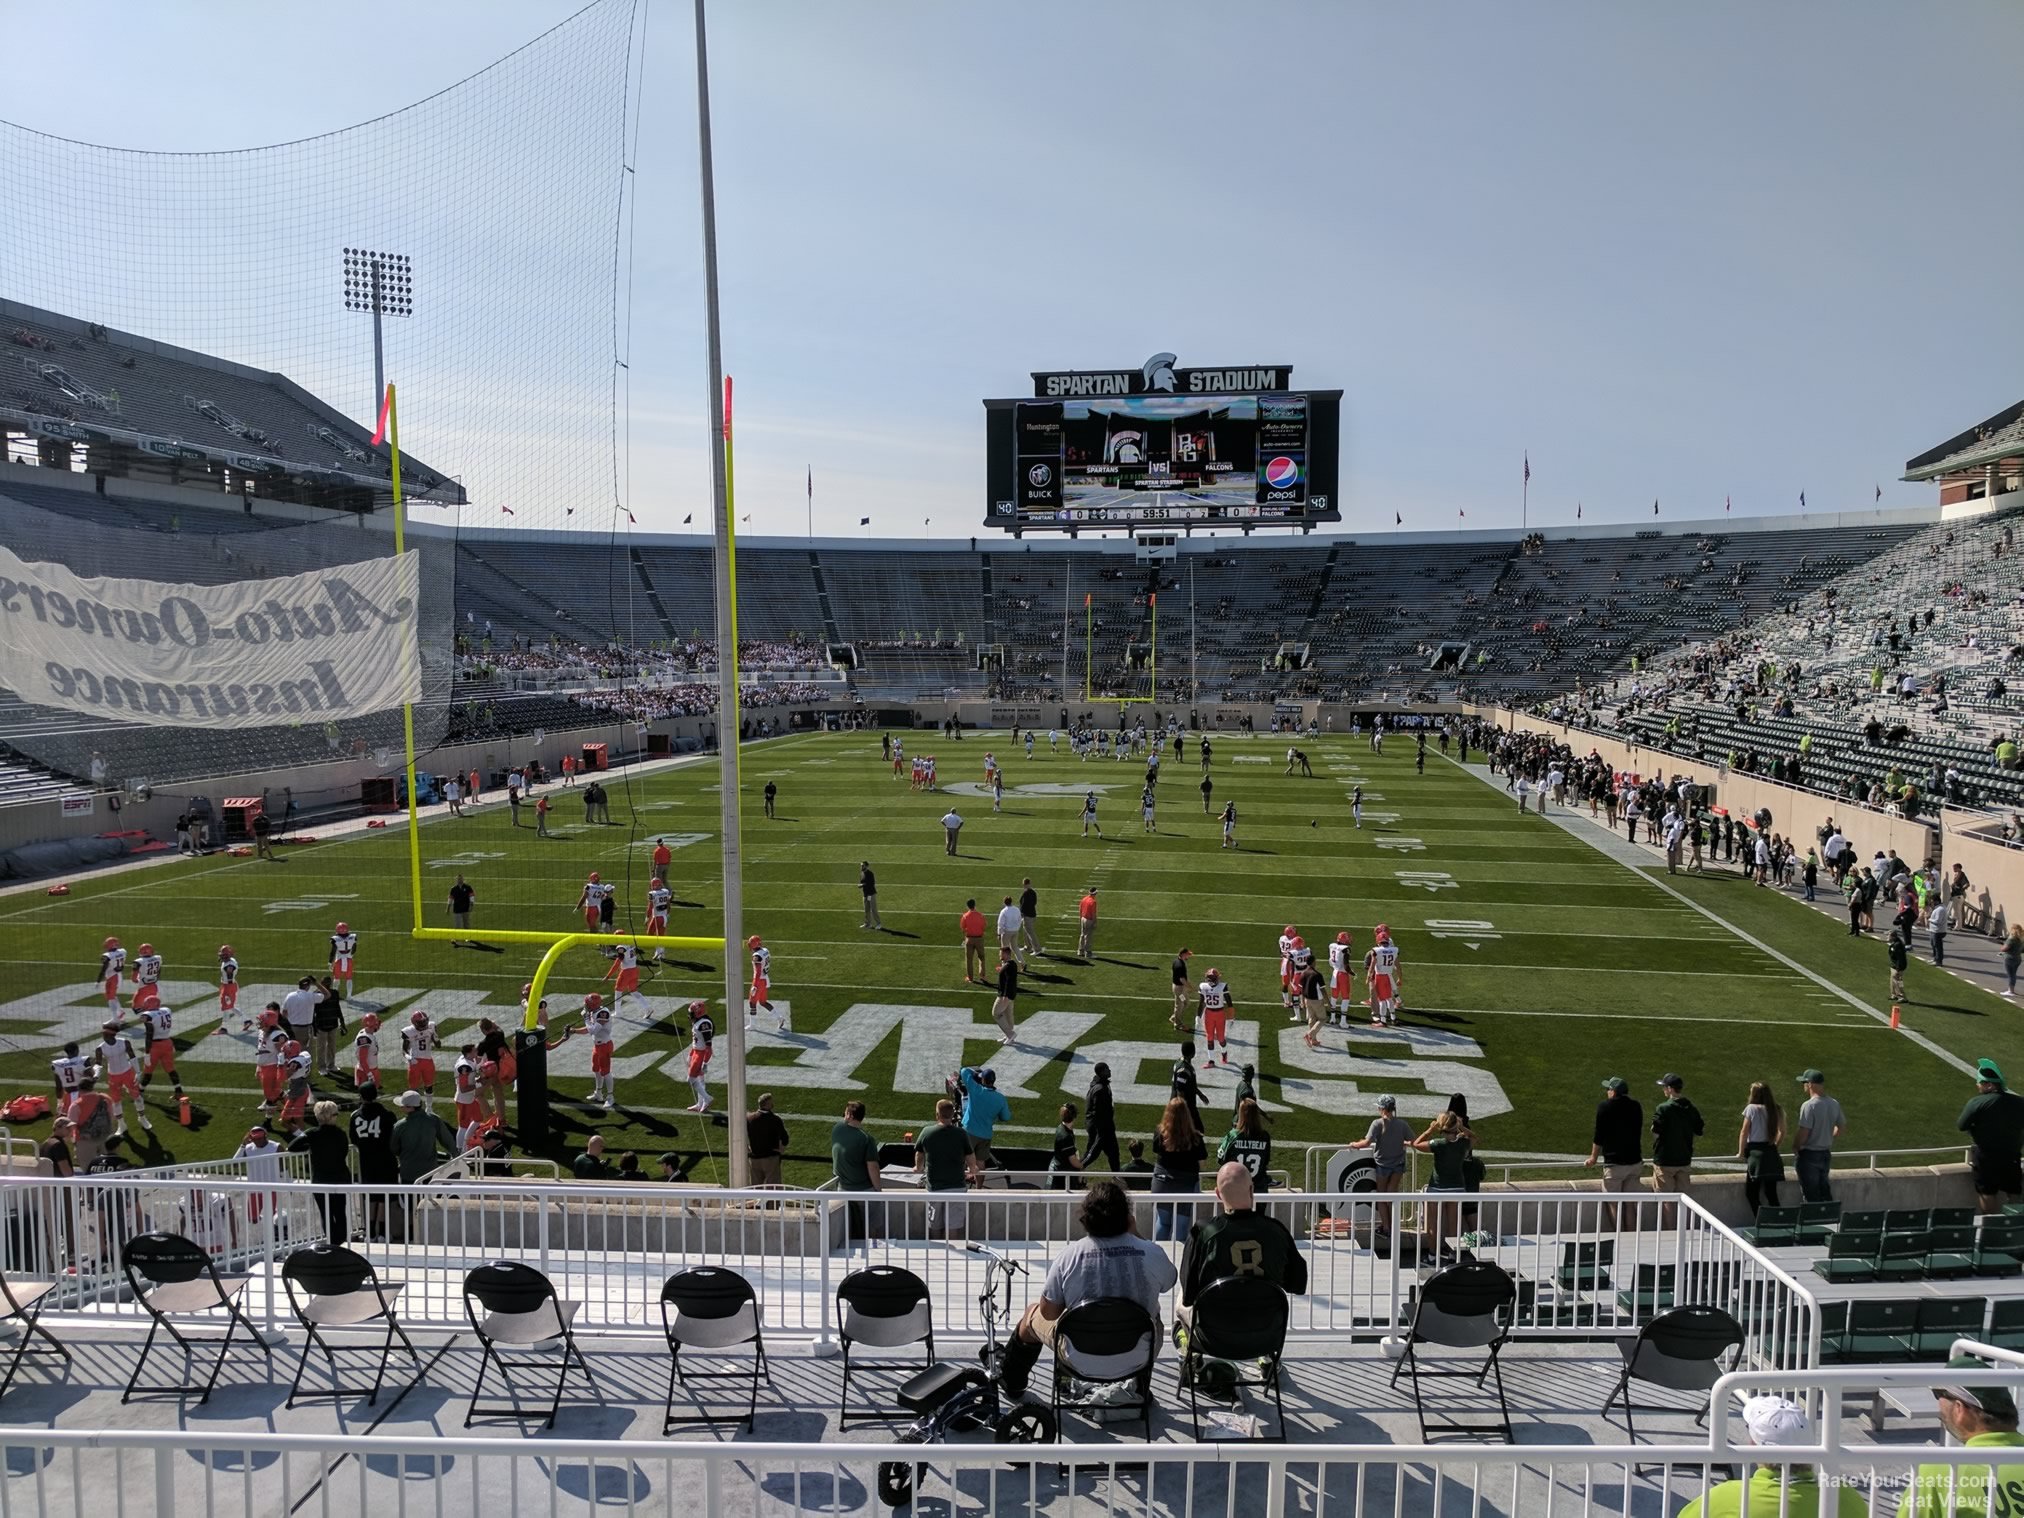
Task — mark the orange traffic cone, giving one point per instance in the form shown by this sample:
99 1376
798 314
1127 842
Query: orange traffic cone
1893 1015
182 1109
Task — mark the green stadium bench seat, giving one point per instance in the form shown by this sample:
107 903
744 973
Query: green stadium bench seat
1901 1257
2006 1324
1998 1246
1880 1332
1941 1320
1775 1227
1952 1217
1833 1332
1650 1293
1907 1219
1860 1222
1950 1252
1850 1257
1817 1221
1585 1264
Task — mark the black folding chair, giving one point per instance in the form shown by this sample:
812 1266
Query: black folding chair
1465 1306
514 1306
1111 1341
711 1310
882 1307
331 1287
170 1276
1681 1350
23 1303
1241 1320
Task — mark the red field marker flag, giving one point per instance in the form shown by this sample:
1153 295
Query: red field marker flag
379 432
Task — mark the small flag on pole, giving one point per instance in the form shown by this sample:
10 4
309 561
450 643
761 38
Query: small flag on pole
1655 508
811 484
1397 520
1879 492
1802 500
635 521
1528 467
1461 513
507 509
864 521
379 433
1577 511
1085 600
569 511
1725 503
688 519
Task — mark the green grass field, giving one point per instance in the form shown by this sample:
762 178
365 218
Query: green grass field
1534 965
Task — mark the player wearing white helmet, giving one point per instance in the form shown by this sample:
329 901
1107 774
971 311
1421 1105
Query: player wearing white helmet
1341 981
1381 971
228 982
464 1088
625 972
659 899
343 956
597 1019
1216 1004
762 983
120 1066
1286 983
111 964
418 1047
295 1071
147 976
365 1056
702 1043
269 1047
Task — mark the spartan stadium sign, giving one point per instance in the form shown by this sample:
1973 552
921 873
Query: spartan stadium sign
1159 376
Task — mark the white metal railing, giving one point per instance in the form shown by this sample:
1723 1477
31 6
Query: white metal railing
1502 1168
91 1473
1587 1265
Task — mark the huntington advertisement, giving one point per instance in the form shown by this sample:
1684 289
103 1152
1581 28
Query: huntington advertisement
329 644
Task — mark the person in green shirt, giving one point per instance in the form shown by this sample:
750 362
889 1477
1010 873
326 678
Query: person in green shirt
1448 1144
942 1155
853 1158
1788 1491
1237 1241
1981 1417
1994 1119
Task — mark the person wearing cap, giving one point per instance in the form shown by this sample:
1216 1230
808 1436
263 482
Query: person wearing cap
1100 1118
1994 1120
1820 1123
1676 1123
1776 1491
1618 1142
1386 1138
983 1110
422 1140
1981 1417
952 828
1183 1020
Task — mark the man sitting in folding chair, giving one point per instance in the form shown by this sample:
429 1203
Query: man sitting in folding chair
1238 1241
1110 1260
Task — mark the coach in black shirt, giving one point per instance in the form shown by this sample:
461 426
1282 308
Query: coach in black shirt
1618 1141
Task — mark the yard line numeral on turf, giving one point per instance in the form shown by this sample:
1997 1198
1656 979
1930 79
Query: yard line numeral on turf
1399 845
309 903
470 859
1472 930
1427 880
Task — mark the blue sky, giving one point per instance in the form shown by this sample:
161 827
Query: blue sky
1681 252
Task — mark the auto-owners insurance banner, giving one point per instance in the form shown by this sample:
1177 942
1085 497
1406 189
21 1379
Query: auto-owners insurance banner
335 643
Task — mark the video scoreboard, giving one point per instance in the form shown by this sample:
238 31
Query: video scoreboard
1163 446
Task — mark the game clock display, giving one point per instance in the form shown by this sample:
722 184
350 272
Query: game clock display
1114 461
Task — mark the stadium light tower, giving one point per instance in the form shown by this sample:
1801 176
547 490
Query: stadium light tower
384 284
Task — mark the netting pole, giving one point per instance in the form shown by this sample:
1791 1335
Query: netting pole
727 636
408 630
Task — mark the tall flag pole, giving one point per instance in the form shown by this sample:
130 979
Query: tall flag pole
1088 643
811 504
1525 493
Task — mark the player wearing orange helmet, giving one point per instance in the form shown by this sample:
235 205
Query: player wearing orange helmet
1286 987
120 1067
418 1047
270 1047
147 976
1381 971
597 1019
702 1044
595 902
659 899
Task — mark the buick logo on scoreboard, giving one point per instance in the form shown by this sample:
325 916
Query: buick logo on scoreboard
1160 375
1040 476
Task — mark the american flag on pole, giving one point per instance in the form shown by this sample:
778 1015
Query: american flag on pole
1528 466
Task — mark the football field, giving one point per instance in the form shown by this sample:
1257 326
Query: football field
1534 963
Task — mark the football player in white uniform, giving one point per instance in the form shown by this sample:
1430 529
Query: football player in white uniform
1216 1003
598 1019
659 900
111 965
343 957
365 1057
1341 981
1288 998
1381 971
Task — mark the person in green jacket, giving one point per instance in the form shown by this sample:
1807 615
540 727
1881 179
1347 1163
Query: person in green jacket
1981 1417
1676 1123
1788 1491
422 1140
1994 1120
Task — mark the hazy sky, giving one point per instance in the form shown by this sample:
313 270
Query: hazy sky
1680 251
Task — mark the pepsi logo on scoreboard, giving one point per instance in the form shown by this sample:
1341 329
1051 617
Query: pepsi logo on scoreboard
1281 477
